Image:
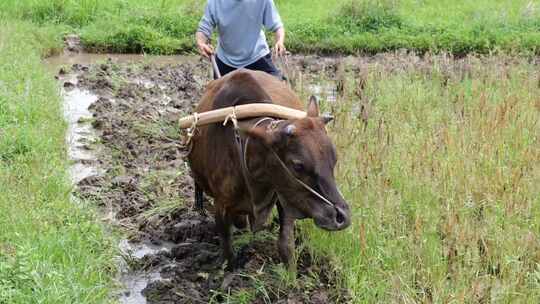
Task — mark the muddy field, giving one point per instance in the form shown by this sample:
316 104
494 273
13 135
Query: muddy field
142 184
137 174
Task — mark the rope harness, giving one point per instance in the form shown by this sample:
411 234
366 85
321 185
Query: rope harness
191 131
232 118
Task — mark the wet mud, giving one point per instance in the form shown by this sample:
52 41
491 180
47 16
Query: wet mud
140 180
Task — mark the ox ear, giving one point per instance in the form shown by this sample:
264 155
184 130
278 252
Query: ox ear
313 107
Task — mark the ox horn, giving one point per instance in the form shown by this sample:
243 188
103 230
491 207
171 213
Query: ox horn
327 118
241 112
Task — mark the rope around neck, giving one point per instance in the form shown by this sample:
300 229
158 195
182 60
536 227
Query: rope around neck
308 188
273 124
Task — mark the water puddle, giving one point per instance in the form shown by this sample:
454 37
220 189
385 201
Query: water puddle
141 249
134 285
135 282
80 134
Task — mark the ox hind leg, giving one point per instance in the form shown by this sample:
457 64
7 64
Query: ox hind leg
223 228
199 199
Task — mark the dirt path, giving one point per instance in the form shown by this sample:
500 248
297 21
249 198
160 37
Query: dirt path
172 254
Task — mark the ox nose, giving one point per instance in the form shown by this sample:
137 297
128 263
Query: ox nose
342 218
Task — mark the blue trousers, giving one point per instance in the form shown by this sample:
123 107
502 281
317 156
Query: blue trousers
264 64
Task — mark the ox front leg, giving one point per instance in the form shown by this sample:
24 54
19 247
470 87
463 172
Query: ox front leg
286 238
223 227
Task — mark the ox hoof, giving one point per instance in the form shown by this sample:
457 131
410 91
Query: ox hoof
240 222
231 266
228 265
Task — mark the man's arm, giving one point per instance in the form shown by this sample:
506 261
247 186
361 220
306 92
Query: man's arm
272 21
203 44
279 47
204 32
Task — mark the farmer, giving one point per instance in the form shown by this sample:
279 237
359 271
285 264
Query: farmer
241 40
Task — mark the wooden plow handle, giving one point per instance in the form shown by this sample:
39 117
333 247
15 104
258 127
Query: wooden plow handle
240 112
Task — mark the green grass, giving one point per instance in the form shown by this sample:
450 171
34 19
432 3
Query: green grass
52 250
442 170
333 26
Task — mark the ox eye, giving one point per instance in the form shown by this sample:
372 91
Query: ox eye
298 166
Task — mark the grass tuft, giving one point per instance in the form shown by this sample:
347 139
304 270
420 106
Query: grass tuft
368 15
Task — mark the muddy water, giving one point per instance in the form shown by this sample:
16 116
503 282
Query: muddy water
79 134
122 112
134 282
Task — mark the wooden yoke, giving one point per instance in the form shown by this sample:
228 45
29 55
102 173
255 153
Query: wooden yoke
241 112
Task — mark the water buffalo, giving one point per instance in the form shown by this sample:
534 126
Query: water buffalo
288 163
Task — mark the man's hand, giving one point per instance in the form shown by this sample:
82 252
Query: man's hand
279 47
205 49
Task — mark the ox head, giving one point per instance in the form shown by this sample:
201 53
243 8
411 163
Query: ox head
304 148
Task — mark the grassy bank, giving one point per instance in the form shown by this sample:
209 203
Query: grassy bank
333 26
51 250
440 160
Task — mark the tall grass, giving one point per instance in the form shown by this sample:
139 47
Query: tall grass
333 26
51 250
368 15
440 160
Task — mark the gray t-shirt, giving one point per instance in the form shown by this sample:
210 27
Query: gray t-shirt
241 40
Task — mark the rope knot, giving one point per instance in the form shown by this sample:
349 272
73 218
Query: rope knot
273 125
232 117
193 129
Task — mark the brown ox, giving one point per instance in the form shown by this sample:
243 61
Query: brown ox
285 162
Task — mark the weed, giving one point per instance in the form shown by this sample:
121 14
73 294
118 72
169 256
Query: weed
240 296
